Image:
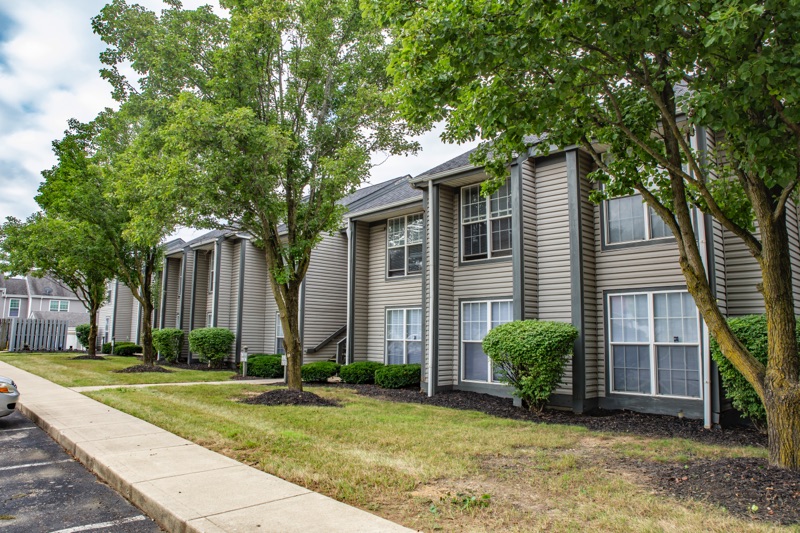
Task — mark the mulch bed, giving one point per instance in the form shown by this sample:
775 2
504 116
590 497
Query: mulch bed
194 366
136 369
288 397
89 358
745 486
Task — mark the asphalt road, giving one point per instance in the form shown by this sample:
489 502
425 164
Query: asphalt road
43 489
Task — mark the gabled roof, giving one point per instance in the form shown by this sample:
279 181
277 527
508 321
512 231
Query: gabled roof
49 288
15 286
212 235
74 318
174 244
395 192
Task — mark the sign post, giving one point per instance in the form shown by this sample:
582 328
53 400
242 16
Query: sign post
244 361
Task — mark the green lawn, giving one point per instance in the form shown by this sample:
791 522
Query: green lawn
430 467
62 369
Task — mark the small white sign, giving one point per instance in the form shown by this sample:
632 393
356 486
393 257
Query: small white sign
283 360
244 357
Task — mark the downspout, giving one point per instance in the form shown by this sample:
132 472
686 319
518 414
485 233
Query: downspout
240 300
301 318
699 145
433 337
351 273
192 302
30 297
114 314
217 265
184 259
574 199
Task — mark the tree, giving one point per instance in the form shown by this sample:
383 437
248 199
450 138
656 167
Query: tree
274 114
639 78
101 182
70 252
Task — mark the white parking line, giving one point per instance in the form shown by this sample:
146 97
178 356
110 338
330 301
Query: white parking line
18 429
34 464
101 525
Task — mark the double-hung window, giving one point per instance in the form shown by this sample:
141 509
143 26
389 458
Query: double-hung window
629 219
13 308
404 245
61 306
403 336
211 278
485 223
477 318
654 340
279 348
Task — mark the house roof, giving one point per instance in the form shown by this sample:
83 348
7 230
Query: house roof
173 245
210 236
394 192
48 287
74 318
14 286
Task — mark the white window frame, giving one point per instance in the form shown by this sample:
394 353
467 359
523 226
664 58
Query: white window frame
405 340
11 307
462 367
59 305
406 244
489 218
209 319
279 347
652 344
211 277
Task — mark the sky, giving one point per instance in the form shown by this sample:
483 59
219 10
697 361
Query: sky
49 73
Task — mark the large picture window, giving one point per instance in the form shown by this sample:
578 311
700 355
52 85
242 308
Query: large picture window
485 223
403 336
477 318
61 306
404 245
279 347
13 308
654 340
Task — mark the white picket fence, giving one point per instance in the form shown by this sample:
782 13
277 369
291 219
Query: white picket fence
34 334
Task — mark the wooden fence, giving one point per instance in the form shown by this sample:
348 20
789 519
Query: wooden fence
34 334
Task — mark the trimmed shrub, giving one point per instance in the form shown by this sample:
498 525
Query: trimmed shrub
168 342
752 331
264 365
211 344
530 355
319 372
106 348
398 376
360 372
127 348
82 332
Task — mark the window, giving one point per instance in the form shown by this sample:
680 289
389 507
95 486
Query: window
107 330
654 341
629 219
211 278
403 336
404 245
13 308
208 320
61 306
477 318
279 347
485 223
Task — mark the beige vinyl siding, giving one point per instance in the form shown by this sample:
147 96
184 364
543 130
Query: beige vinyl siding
136 316
448 305
232 307
186 300
553 259
201 296
530 240
590 312
793 226
636 267
325 305
211 266
720 275
257 303
124 303
106 311
361 316
227 290
170 311
383 293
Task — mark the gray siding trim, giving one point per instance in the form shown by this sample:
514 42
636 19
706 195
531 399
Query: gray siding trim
424 284
181 294
217 268
240 299
351 289
517 251
301 319
114 312
192 300
433 377
576 281
164 280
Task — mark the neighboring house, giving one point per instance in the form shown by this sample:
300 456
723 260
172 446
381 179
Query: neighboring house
43 298
538 248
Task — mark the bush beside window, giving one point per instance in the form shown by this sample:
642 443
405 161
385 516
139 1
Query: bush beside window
264 365
211 344
360 372
319 372
530 356
398 376
168 342
752 331
106 348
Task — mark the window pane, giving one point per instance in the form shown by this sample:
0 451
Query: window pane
679 371
474 320
415 229
473 204
414 259
625 219
64 306
396 232
397 262
279 348
278 325
394 352
414 352
476 364
53 305
675 317
13 308
394 324
500 201
658 228
501 236
414 324
629 318
475 241
631 366
502 313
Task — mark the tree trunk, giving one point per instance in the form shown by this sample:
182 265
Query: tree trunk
148 355
91 350
292 339
783 426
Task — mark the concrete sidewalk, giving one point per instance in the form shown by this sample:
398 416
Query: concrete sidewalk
182 486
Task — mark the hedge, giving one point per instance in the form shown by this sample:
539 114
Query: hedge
106 348
398 376
127 348
319 372
82 332
361 372
168 342
264 365
530 355
211 344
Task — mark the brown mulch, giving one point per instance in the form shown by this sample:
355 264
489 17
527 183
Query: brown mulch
88 358
194 366
628 422
136 369
289 397
745 486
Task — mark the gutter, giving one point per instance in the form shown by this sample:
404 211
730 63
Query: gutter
386 207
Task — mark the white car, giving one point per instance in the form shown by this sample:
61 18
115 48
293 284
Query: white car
8 396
